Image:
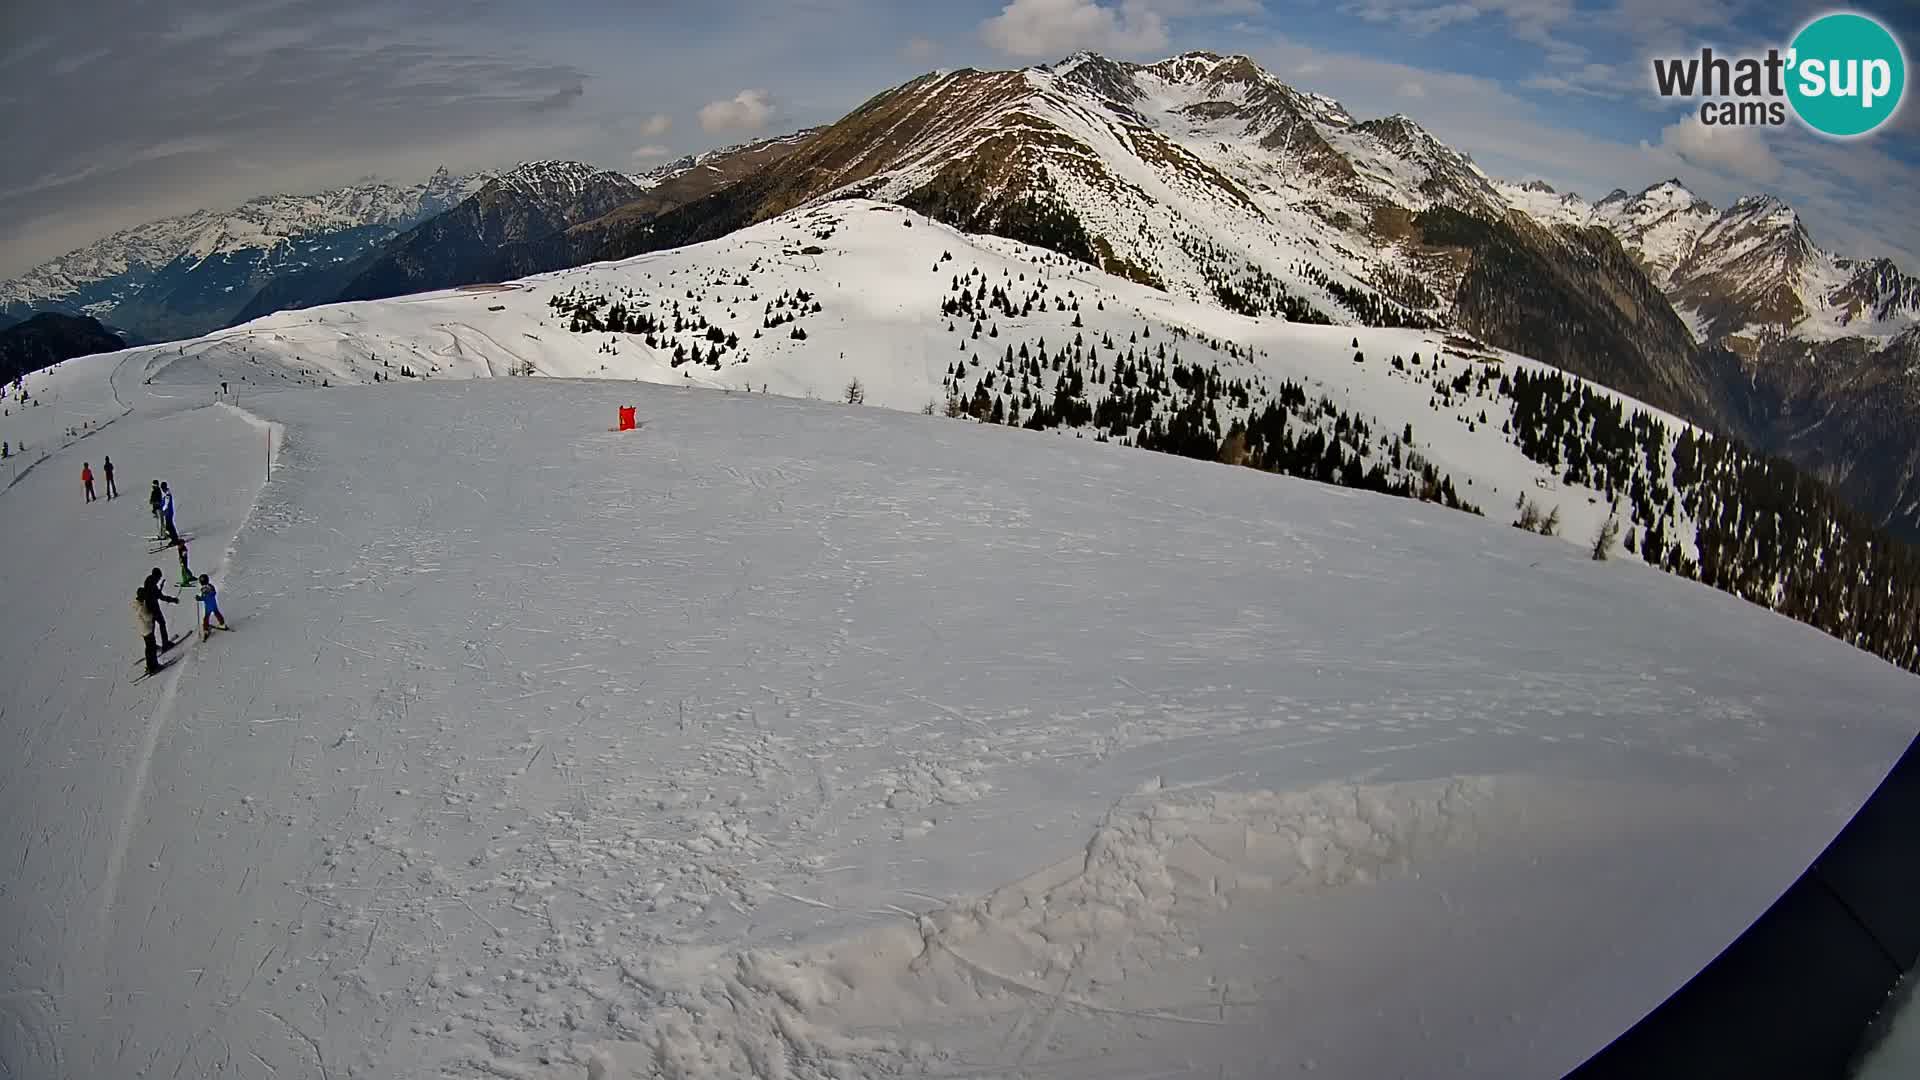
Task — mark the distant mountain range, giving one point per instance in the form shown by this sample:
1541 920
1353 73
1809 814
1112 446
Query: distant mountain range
1201 175
1743 274
190 274
541 201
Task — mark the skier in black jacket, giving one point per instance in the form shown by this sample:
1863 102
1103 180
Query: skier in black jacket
151 595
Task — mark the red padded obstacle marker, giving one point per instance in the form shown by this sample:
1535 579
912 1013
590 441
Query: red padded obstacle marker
626 418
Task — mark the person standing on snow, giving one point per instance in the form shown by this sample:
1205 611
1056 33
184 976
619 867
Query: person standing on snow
154 499
106 467
86 478
209 598
151 595
186 572
166 512
143 616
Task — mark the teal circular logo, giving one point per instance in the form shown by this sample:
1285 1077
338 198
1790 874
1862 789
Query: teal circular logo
1847 75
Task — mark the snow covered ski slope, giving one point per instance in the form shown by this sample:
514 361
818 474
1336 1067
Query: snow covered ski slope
789 738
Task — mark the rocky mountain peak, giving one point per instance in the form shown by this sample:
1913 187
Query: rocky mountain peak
1108 80
1876 291
1400 132
1670 194
1763 209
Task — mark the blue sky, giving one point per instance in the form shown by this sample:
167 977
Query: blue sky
127 110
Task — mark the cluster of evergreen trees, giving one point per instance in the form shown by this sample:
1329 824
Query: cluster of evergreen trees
1370 308
966 302
1407 290
1142 392
1245 287
1344 453
1033 213
789 307
1760 528
681 330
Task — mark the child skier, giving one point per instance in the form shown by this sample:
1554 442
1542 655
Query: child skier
186 572
209 598
154 499
86 478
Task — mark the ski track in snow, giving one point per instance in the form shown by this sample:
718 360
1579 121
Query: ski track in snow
70 709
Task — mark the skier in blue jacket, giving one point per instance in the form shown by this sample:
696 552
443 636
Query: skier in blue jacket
209 598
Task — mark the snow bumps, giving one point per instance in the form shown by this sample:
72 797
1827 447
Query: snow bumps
1119 941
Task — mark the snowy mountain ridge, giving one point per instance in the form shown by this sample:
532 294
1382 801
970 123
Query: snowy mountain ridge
660 174
261 223
1748 270
554 179
1194 173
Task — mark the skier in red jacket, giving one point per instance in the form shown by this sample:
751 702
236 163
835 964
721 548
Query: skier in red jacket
86 478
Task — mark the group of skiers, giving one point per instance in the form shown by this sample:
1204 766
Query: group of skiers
154 636
86 478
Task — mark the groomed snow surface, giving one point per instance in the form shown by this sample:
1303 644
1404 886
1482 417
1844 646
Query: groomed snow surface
794 739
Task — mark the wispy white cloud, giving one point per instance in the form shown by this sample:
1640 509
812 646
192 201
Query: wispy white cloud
1739 151
562 98
1417 18
919 49
1668 23
1195 9
749 110
1033 29
80 61
656 125
1534 21
651 154
1611 81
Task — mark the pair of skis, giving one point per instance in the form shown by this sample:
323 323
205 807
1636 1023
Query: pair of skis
169 647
